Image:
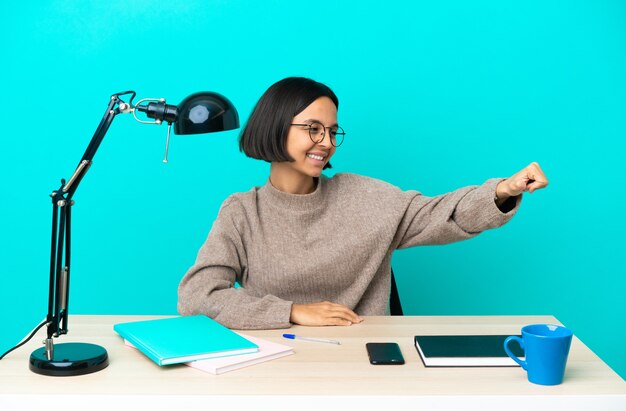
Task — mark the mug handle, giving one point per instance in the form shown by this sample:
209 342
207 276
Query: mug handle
510 354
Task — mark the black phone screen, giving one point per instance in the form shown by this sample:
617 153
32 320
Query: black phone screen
384 353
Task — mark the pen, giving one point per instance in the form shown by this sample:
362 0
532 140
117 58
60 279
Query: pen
321 340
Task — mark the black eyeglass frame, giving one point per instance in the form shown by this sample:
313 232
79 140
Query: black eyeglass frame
339 132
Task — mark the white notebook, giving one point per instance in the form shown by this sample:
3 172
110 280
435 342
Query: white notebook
268 350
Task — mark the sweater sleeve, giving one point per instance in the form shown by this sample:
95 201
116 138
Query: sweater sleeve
208 286
451 217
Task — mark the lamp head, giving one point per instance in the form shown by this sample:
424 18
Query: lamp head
205 112
199 113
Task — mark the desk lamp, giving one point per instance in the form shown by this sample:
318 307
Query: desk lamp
204 112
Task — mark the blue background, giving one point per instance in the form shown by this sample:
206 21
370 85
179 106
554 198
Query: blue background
434 96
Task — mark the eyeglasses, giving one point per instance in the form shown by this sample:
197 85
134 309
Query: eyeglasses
317 132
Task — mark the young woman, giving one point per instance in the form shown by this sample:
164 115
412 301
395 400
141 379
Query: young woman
312 250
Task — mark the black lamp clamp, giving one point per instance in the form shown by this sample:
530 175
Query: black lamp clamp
204 112
159 111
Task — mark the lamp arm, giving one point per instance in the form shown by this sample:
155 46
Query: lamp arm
57 318
115 107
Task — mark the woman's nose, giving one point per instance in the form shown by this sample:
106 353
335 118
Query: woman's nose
325 139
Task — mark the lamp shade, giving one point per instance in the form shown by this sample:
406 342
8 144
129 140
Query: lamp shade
205 112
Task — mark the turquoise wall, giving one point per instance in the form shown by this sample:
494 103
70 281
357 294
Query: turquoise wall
434 96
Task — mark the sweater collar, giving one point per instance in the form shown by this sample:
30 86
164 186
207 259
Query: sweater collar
295 202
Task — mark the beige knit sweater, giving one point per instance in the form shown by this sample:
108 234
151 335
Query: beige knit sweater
334 244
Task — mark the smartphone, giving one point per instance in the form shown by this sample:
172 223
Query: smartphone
384 353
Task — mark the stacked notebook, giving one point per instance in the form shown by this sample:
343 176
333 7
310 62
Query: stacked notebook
198 341
267 351
465 351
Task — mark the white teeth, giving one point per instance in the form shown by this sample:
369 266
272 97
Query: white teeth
315 157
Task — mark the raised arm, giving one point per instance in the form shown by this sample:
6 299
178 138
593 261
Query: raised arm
451 217
466 212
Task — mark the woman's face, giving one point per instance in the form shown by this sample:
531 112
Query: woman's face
310 157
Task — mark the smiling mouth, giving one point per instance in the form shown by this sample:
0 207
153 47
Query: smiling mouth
315 157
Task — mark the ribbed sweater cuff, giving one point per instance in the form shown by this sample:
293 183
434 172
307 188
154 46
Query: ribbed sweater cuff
478 211
492 215
275 316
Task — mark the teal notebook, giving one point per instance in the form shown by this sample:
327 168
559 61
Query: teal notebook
183 339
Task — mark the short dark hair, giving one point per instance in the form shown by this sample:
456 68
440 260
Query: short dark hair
265 135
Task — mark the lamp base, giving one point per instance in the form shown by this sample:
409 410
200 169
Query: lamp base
69 359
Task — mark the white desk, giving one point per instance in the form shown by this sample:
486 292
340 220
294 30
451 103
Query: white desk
319 375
